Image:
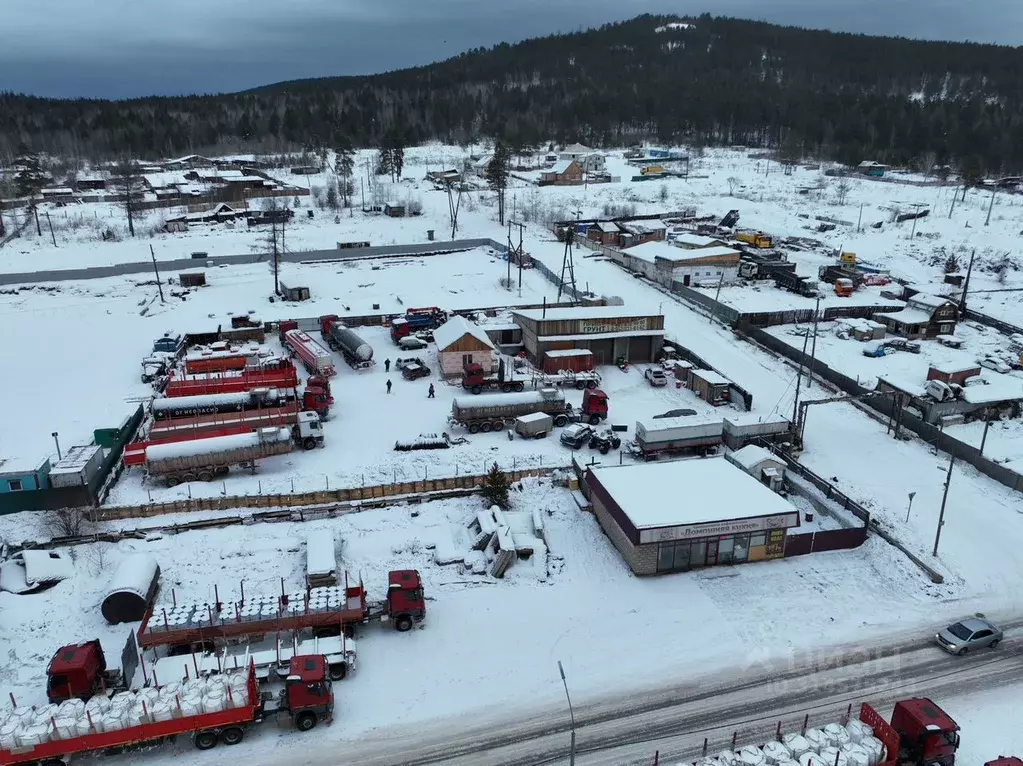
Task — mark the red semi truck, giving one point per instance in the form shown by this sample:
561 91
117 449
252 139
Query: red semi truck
474 379
404 606
429 318
306 699
304 424
280 373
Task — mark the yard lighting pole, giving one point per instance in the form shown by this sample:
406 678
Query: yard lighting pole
910 508
944 497
571 713
983 438
57 442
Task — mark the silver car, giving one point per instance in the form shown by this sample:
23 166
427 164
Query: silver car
973 633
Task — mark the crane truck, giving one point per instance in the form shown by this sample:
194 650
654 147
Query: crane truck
416 320
231 704
493 412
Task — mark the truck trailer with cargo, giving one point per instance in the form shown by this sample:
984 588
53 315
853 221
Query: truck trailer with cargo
304 425
476 380
356 352
218 359
203 459
209 711
316 359
417 320
671 436
280 373
493 412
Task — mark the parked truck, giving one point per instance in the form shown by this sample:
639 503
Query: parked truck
279 373
476 380
578 380
202 625
306 698
789 280
493 412
356 352
208 404
203 459
316 359
305 425
220 360
670 436
417 320
755 238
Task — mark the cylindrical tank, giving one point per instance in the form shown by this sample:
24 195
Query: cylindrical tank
131 589
351 343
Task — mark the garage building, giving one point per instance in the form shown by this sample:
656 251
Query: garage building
687 514
608 331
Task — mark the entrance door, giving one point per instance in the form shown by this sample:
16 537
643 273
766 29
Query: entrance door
685 280
712 553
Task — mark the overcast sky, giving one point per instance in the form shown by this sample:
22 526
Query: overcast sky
125 48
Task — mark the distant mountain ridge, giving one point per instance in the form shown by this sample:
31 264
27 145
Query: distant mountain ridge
706 80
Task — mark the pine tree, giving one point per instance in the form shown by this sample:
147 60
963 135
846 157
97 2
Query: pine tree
385 165
29 177
344 167
497 175
128 182
331 198
397 157
495 487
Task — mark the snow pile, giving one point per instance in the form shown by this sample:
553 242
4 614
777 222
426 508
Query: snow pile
499 538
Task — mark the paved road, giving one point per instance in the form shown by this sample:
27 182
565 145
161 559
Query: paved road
675 718
179 264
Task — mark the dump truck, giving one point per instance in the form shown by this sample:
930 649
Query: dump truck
844 287
474 379
493 412
304 425
789 280
671 436
356 352
278 373
195 626
203 459
756 239
316 359
149 717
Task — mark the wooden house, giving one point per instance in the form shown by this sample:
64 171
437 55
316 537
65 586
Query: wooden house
564 173
461 342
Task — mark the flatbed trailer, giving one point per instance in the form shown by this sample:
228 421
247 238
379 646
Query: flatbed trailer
176 429
578 380
281 374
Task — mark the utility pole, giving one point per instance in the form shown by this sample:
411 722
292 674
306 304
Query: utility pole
983 438
50 224
571 713
509 253
966 284
799 377
35 212
990 205
813 350
944 497
156 271
952 207
916 218
860 219
567 264
717 293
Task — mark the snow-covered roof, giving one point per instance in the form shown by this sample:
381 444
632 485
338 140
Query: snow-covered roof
576 149
58 190
694 240
752 455
560 167
581 312
903 384
999 388
712 377
951 368
608 227
688 492
134 574
565 352
321 558
604 335
871 164
534 417
499 326
908 316
456 328
21 466
749 419
649 251
46 566
75 459
483 161
644 227
926 299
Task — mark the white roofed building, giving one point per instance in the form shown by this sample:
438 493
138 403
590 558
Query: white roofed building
665 263
461 342
688 514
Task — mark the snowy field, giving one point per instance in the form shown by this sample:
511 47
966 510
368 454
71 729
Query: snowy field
544 611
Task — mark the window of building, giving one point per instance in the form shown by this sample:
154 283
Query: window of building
757 540
740 552
725 547
697 555
466 359
665 557
14 485
681 556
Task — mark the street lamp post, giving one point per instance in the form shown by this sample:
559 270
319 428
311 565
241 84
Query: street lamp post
910 508
571 713
57 442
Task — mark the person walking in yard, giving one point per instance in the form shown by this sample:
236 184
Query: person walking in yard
430 395
388 385
387 366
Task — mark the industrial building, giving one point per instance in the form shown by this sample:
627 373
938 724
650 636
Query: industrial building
687 514
666 264
609 332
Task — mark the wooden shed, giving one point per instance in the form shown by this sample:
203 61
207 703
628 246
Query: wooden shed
461 342
710 386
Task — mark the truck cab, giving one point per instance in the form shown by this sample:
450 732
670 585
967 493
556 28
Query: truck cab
316 400
76 671
927 734
308 695
474 379
405 602
844 287
594 406
308 431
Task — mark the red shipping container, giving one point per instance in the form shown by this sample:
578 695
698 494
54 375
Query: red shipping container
572 359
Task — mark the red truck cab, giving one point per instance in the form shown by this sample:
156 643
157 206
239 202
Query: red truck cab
308 695
399 329
406 604
920 733
1004 760
76 670
594 407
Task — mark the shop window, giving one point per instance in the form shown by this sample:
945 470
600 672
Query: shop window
758 540
665 557
681 556
698 555
740 552
725 547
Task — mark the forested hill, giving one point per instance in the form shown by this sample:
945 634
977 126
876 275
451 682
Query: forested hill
707 81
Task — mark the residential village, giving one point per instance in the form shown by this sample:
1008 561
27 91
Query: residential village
662 365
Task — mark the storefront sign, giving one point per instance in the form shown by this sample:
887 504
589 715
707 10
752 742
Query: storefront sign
592 326
719 528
